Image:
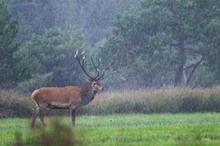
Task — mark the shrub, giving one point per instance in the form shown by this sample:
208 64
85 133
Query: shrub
58 135
13 104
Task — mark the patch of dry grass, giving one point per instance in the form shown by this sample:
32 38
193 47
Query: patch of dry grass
13 104
151 100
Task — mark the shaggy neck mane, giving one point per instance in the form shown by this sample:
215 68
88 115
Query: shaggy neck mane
87 94
86 90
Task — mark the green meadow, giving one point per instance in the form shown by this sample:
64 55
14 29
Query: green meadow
156 117
123 129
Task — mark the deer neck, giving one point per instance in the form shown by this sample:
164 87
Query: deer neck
87 93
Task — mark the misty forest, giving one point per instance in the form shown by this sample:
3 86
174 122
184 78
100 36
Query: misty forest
160 60
147 43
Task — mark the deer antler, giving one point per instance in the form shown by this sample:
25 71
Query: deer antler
78 58
81 56
101 75
95 66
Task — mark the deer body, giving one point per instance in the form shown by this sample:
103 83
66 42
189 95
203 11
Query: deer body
65 97
69 97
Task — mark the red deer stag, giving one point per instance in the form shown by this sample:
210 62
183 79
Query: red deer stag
69 97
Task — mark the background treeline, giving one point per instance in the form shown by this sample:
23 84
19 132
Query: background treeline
147 43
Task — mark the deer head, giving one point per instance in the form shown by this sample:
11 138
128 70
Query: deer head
93 81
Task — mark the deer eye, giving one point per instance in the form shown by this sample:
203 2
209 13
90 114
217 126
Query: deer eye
94 84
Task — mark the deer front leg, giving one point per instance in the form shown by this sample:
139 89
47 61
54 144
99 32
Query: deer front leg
73 115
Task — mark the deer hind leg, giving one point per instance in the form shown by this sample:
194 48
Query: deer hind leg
34 116
41 116
39 111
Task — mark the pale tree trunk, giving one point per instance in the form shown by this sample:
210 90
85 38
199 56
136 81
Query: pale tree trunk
180 74
184 74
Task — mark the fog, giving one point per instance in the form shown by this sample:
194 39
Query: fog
141 43
93 17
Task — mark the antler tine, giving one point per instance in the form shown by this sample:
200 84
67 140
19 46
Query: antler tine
77 52
101 75
78 57
96 67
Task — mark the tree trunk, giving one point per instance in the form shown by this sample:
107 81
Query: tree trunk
180 76
184 75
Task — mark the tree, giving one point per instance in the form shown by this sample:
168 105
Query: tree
8 31
211 37
34 16
189 19
53 56
163 43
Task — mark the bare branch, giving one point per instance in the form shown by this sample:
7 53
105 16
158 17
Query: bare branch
193 69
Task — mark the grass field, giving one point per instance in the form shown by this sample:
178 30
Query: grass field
130 130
